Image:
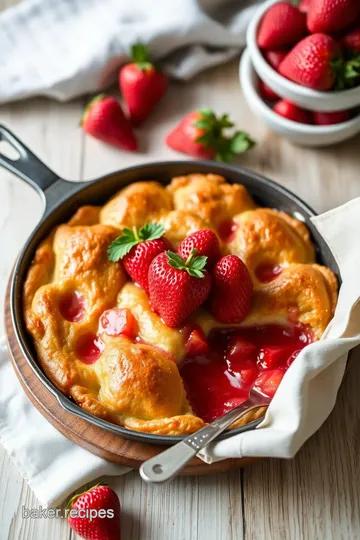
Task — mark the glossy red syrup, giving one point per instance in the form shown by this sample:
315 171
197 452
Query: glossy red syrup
237 360
268 272
89 348
117 322
72 306
227 230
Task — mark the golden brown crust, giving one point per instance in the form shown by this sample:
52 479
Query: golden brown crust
210 197
138 385
136 204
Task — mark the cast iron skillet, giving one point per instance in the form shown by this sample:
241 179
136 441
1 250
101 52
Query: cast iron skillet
62 198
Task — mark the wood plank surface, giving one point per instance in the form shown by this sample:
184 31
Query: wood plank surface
314 496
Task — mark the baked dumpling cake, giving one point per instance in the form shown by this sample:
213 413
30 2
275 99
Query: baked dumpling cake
99 336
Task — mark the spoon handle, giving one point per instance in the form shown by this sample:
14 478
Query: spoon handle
168 463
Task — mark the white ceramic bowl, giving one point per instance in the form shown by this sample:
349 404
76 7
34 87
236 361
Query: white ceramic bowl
301 134
305 97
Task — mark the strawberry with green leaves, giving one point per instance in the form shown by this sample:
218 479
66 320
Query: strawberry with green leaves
177 287
201 135
141 84
137 249
95 514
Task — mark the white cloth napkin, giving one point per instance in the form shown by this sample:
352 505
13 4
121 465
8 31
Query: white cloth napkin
65 48
309 388
54 467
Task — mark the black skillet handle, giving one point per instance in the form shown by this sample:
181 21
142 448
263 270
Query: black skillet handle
27 166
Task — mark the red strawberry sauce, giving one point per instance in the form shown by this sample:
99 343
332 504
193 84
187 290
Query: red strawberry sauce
72 306
89 348
238 359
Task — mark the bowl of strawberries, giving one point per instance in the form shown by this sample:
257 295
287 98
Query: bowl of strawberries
308 55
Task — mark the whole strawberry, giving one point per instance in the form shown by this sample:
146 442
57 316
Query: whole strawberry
141 84
232 290
274 57
312 62
200 134
282 24
351 40
205 242
104 119
266 92
95 514
177 287
289 110
329 16
329 118
137 249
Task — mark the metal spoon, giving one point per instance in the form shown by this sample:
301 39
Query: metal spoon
168 463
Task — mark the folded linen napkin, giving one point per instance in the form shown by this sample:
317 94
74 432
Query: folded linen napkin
62 48
54 467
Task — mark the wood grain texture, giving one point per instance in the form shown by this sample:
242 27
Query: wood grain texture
314 496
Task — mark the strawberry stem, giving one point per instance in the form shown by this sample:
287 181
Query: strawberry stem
140 56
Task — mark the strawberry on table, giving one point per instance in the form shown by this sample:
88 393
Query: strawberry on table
137 249
141 84
330 16
232 290
329 118
282 24
101 507
290 111
104 119
177 287
201 134
266 92
205 242
274 57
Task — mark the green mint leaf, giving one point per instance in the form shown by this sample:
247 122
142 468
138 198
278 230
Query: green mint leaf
198 263
119 248
151 231
195 273
240 142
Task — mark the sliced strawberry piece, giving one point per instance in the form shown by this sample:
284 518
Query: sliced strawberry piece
282 24
240 349
268 381
271 357
196 344
245 370
266 92
293 357
118 322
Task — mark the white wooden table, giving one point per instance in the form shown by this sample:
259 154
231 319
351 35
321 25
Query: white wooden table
314 496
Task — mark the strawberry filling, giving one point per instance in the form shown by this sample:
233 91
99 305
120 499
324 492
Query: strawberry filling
89 348
236 360
72 306
117 322
267 272
227 230
196 344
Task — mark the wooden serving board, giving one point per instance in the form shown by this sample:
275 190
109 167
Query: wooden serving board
94 439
